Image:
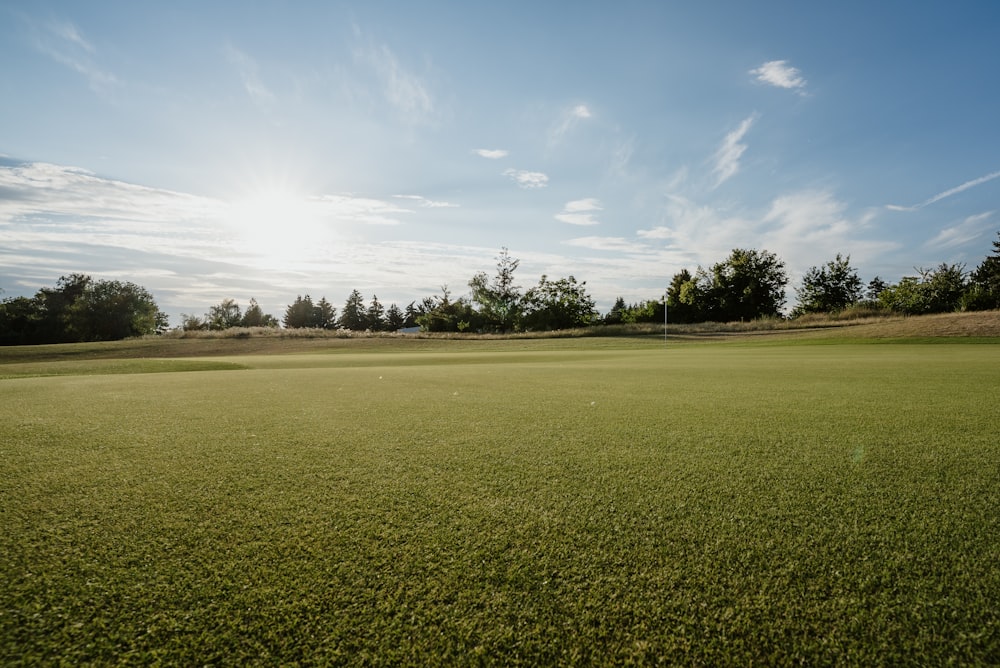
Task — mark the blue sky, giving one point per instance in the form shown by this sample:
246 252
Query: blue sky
269 149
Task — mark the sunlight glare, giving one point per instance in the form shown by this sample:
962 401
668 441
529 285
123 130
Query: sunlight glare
278 227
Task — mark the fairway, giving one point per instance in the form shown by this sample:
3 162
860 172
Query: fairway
533 503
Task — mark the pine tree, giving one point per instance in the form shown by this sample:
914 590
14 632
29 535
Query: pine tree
300 313
394 318
324 315
353 316
376 315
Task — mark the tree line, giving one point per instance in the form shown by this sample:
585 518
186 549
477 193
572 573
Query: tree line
80 308
748 285
496 304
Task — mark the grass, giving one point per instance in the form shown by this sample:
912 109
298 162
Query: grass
541 502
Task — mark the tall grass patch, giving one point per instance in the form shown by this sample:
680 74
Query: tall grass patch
700 504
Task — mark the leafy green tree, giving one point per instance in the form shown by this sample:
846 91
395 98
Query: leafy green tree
499 298
19 321
441 314
54 304
748 285
985 282
829 288
114 310
875 288
192 323
649 310
224 315
932 291
354 314
682 309
81 309
561 304
617 313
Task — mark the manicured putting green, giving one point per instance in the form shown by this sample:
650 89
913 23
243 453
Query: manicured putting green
708 505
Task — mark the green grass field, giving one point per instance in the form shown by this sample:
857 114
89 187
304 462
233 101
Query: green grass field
603 501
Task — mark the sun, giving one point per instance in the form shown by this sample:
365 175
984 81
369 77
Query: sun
278 227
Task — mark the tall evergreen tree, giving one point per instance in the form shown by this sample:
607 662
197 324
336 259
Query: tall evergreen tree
324 315
394 318
254 316
354 314
375 316
299 314
413 312
617 313
499 298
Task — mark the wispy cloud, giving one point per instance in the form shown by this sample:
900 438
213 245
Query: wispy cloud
352 208
249 73
610 244
727 157
491 153
69 32
968 230
63 42
580 212
568 120
947 193
427 203
780 74
406 92
526 179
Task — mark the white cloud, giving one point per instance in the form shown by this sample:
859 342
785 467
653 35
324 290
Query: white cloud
809 227
427 203
247 68
581 111
57 190
804 229
526 179
612 244
588 204
947 193
491 154
580 212
727 157
779 73
351 208
968 230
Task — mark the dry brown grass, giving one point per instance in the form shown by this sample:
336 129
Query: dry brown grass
973 325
